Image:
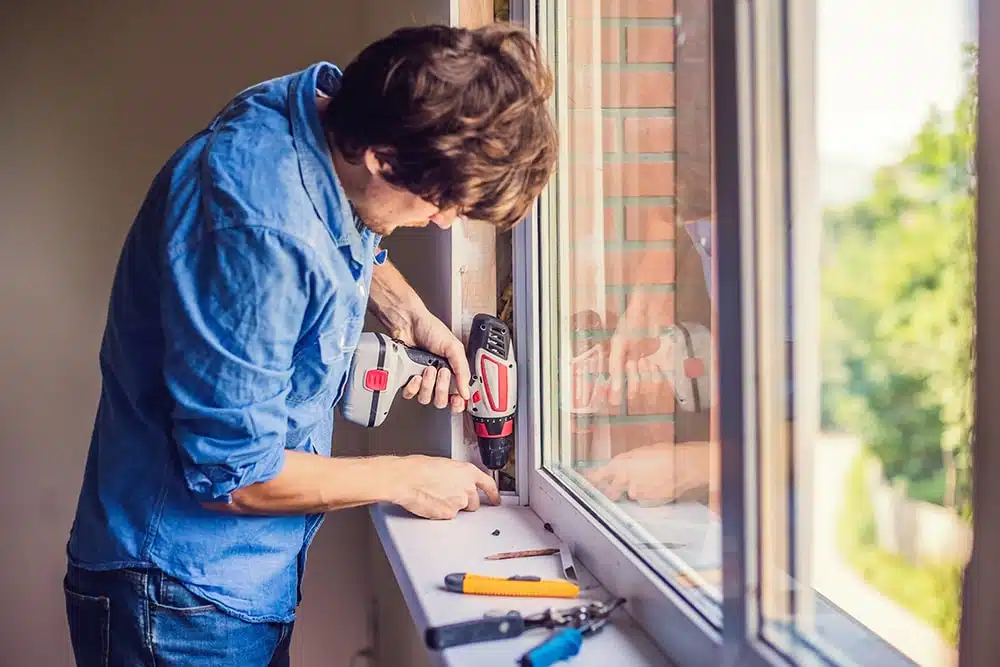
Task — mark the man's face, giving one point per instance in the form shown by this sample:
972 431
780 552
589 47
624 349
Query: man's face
385 207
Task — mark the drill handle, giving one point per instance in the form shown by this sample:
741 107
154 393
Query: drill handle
416 360
425 358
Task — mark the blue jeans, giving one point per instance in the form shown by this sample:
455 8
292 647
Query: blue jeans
142 617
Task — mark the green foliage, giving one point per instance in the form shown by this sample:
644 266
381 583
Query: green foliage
933 489
898 309
930 592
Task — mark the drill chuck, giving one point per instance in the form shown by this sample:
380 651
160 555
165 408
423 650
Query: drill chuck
495 452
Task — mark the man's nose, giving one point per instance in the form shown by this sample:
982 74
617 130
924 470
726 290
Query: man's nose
444 219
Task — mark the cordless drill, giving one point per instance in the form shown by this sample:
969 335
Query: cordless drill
382 366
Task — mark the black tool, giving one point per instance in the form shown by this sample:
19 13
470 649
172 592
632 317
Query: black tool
513 624
563 645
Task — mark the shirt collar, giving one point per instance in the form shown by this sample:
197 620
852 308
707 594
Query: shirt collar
316 163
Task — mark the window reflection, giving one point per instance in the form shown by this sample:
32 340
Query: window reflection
632 258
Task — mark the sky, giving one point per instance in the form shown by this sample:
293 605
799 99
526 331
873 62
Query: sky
881 65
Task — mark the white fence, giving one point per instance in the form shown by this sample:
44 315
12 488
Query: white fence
919 531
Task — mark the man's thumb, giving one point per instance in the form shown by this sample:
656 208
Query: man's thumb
460 369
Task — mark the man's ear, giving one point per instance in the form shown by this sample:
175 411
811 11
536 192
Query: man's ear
377 162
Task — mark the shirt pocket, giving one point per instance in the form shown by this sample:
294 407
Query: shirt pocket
315 364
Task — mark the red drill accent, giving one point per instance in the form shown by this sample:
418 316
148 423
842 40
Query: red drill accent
497 396
694 368
376 379
505 430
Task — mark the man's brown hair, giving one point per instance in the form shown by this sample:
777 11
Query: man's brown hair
459 116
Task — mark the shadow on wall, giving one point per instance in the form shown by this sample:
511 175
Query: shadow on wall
96 96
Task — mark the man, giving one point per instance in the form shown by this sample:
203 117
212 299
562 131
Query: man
238 300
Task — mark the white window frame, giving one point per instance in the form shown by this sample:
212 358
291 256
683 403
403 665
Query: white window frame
742 93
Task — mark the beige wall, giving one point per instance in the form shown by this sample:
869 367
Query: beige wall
423 257
95 96
398 642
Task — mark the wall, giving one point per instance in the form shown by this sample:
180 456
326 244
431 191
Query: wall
639 161
95 96
423 256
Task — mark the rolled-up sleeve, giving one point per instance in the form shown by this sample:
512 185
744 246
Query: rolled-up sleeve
233 306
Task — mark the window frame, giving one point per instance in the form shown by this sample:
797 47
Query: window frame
741 90
677 628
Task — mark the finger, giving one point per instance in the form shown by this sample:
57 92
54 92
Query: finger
616 487
642 366
473 503
460 367
600 475
411 388
615 371
632 374
426 386
488 486
441 386
452 505
609 490
448 508
657 372
457 404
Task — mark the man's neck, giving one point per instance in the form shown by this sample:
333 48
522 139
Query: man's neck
347 173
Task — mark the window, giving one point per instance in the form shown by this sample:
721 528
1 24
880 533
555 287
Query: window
745 316
626 275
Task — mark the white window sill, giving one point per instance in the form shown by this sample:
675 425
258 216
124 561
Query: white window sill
422 552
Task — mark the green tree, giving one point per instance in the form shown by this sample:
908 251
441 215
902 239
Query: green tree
898 304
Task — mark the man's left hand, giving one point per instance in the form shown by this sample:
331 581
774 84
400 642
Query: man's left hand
429 333
654 474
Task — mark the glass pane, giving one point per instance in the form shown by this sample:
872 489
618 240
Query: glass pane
881 338
628 271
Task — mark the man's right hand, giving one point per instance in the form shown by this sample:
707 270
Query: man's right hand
633 347
435 487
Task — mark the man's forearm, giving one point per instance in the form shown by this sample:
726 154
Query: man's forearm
310 483
393 301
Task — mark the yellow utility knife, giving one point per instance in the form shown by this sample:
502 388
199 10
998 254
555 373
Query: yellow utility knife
519 586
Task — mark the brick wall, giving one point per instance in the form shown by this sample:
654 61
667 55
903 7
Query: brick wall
635 117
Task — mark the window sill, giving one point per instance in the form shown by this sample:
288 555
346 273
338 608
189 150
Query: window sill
422 552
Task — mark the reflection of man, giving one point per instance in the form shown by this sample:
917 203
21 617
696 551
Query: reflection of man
649 474
640 362
236 308
635 358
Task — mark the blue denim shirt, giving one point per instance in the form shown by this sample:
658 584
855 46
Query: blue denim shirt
237 303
